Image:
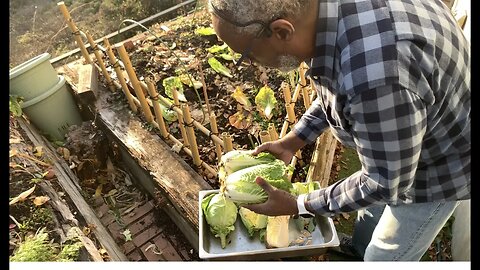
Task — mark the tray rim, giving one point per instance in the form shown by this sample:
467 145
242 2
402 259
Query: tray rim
203 254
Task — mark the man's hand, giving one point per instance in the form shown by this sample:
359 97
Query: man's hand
279 202
283 148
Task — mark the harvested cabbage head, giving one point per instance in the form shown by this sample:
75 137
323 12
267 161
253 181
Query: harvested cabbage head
240 186
277 234
252 221
239 159
221 214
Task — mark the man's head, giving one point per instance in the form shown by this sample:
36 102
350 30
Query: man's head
274 33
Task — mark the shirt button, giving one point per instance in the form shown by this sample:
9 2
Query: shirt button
315 77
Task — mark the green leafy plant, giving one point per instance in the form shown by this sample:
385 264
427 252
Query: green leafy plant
266 101
205 31
15 105
219 67
174 82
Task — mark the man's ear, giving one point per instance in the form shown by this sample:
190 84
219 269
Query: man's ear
282 29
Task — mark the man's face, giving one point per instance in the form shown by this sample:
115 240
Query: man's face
264 50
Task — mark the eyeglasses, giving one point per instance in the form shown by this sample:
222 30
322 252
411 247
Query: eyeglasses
265 30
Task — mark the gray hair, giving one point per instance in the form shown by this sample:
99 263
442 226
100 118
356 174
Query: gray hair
243 11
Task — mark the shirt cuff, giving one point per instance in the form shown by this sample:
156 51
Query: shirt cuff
301 205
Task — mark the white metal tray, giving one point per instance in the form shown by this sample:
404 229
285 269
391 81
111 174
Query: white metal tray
241 247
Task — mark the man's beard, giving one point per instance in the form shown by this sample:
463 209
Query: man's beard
288 63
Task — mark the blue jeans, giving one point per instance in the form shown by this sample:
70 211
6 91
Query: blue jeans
399 233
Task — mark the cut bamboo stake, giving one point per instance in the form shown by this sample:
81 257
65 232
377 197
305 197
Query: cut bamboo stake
273 132
157 109
75 31
197 124
213 124
135 83
186 150
118 71
306 98
322 159
191 135
287 96
264 136
100 62
180 118
228 144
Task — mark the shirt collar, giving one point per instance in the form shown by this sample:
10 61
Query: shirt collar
322 64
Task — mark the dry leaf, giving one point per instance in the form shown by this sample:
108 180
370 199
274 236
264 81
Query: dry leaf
38 151
39 200
15 140
23 196
13 152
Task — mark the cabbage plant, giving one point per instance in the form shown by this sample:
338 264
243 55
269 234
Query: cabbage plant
253 222
239 169
220 214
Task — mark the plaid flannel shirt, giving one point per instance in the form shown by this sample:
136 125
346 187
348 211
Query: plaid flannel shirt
393 81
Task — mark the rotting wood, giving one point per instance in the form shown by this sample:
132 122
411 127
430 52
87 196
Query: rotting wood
88 244
322 158
175 179
58 204
69 181
87 80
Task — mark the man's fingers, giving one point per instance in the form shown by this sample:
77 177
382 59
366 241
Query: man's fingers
264 184
261 148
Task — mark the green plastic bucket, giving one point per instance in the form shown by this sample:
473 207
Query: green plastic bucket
33 77
53 111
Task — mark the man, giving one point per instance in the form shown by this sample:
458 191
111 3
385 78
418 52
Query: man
393 81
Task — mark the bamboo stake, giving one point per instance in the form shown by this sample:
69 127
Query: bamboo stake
228 144
96 51
120 77
197 124
75 31
314 91
273 132
287 96
204 87
157 109
264 136
213 125
186 150
191 135
135 83
180 118
306 98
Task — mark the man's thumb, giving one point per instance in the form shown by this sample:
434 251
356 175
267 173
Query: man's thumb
264 184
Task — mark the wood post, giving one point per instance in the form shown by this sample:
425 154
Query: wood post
157 109
118 71
75 31
100 62
135 83
191 135
213 126
180 118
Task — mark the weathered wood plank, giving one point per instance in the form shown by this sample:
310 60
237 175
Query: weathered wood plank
87 82
177 181
67 180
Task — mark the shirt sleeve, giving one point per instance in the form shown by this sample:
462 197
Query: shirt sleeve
312 123
388 125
